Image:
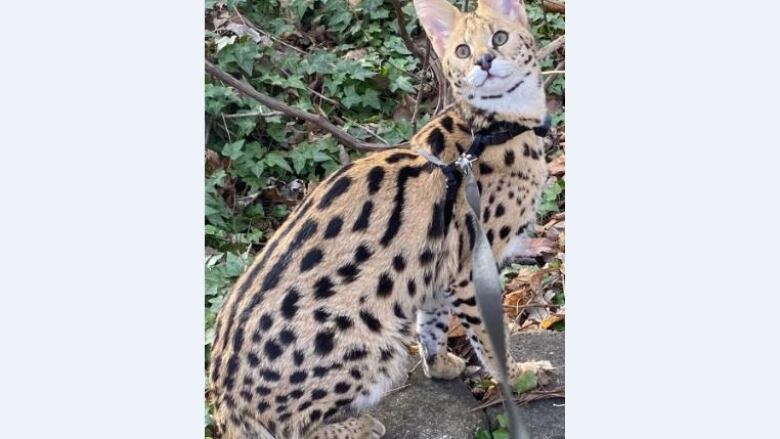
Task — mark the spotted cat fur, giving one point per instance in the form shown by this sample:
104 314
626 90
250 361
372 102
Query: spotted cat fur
376 258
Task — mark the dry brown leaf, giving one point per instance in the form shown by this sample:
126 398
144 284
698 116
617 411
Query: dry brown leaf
557 167
551 320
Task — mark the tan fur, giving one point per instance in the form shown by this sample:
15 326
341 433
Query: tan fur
323 321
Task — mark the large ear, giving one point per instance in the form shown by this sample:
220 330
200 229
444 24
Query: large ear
512 9
438 19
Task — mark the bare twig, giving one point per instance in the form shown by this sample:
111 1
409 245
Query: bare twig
550 48
252 114
553 72
551 78
396 389
341 135
267 34
536 395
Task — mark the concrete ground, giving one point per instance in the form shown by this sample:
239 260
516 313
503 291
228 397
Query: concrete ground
434 409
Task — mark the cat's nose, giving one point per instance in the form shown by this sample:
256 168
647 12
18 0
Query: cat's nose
485 61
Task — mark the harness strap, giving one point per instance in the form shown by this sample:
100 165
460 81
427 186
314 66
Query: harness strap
485 276
487 286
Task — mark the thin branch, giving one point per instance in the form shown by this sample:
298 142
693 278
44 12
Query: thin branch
246 89
550 48
523 398
551 78
251 25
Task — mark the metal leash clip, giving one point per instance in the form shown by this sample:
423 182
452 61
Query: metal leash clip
464 162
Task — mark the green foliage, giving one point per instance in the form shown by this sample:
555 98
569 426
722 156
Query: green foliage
552 199
525 382
500 432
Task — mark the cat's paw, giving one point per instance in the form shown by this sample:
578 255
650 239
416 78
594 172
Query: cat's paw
445 367
370 427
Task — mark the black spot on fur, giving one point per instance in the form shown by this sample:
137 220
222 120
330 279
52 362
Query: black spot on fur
504 232
436 141
270 375
296 394
304 406
399 263
385 285
273 276
323 288
362 221
411 287
355 374
298 377
311 259
348 272
397 157
289 305
321 315
287 337
395 221
490 236
343 322
265 322
253 360
318 394
298 357
334 227
486 214
500 210
272 349
436 229
262 406
337 189
262 390
485 169
509 157
398 311
386 354
370 320
446 122
375 177
362 253
355 354
320 371
426 257
315 415
323 342
342 387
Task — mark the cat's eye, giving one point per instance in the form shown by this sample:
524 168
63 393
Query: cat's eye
500 38
462 51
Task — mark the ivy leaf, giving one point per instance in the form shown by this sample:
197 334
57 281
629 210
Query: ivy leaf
233 150
351 98
525 382
275 159
371 99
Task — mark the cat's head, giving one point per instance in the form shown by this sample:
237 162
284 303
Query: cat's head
487 55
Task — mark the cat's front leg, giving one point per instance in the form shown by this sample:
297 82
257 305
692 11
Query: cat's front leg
433 320
464 306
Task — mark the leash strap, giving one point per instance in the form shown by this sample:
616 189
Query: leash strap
488 292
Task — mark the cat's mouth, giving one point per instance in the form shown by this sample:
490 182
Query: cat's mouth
491 77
